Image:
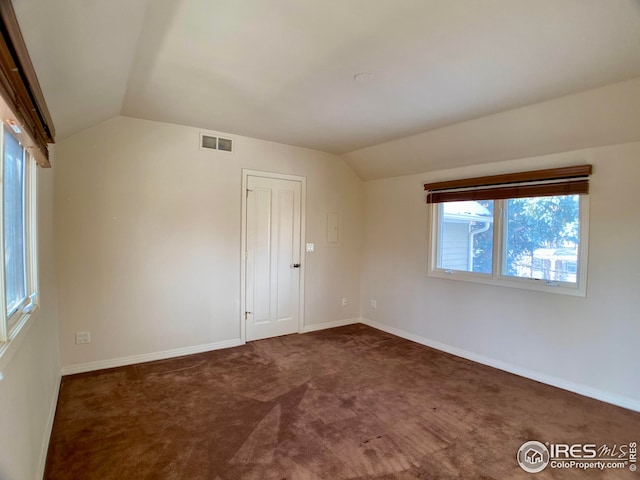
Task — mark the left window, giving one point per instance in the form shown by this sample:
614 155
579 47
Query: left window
18 278
26 131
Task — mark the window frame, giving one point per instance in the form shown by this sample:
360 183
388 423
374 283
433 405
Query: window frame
12 324
497 278
22 109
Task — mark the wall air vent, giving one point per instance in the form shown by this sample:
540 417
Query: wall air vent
211 142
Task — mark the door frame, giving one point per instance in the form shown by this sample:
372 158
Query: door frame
246 173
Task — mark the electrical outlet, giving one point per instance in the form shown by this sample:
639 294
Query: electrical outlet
373 303
83 337
344 302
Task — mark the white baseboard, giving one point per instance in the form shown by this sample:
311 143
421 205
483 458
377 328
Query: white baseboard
618 400
180 352
48 429
334 324
149 357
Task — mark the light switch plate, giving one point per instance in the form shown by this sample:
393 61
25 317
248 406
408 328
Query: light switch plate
310 247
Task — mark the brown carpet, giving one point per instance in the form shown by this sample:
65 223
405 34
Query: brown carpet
350 402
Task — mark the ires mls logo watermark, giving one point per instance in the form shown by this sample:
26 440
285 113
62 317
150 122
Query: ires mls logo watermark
534 457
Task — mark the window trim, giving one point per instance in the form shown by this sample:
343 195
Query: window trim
13 314
12 324
24 110
497 278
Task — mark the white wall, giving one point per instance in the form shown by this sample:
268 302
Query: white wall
28 392
148 231
586 344
602 116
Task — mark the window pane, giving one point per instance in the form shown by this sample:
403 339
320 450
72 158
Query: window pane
465 237
542 238
14 224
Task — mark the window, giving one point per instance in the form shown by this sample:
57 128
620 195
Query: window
465 241
14 224
26 129
512 234
18 235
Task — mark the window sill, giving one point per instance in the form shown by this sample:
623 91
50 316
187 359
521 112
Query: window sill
16 335
521 283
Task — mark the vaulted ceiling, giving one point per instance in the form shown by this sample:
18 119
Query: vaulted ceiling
283 70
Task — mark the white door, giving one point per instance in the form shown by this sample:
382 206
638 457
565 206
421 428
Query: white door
272 295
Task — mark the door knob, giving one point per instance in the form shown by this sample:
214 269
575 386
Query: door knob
295 265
